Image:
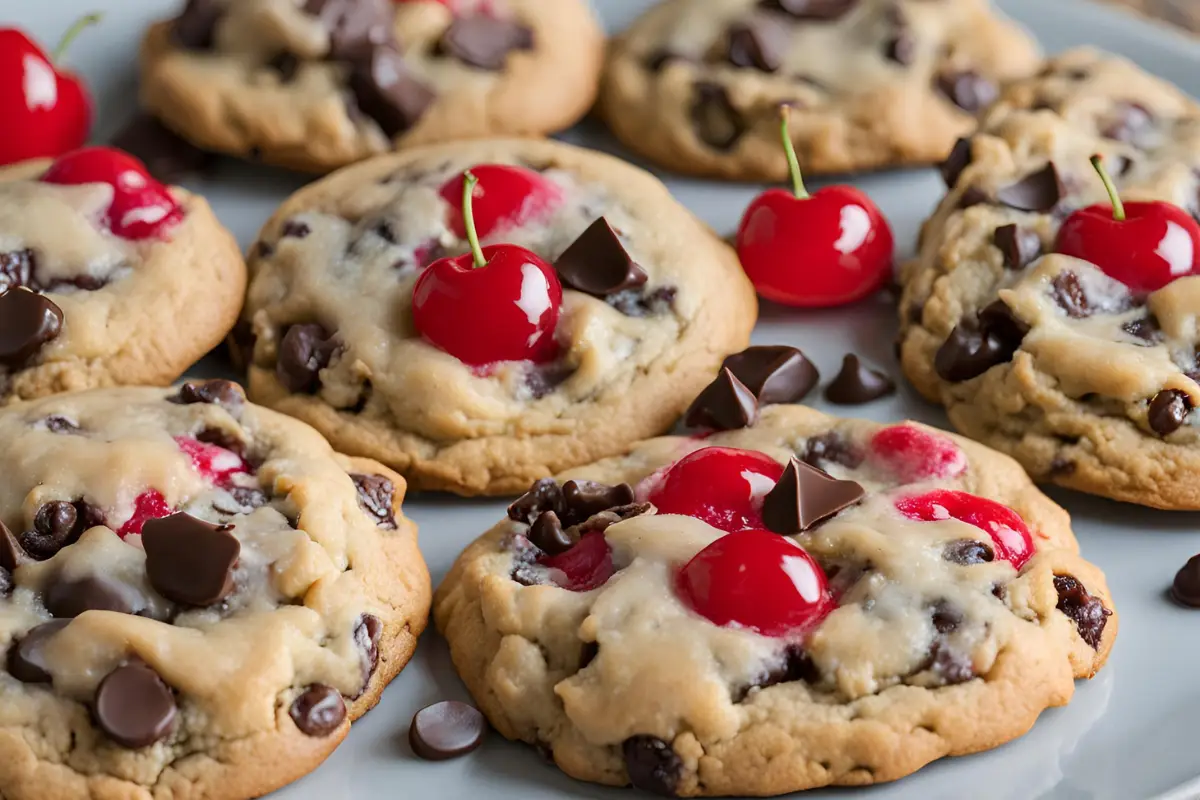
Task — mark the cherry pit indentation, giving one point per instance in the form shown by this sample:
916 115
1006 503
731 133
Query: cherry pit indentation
723 486
1010 536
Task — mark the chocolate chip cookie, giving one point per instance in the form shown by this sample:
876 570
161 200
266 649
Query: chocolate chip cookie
800 602
696 85
317 84
197 596
651 302
107 277
1089 383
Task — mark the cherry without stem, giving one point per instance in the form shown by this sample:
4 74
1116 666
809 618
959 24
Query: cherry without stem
1010 536
722 486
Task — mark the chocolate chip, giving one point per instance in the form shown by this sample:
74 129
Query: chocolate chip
305 350
226 394
543 495
354 26
1128 122
822 10
190 561
367 634
640 304
376 494
797 666
319 711
548 535
1186 588
967 552
55 525
949 664
758 43
717 122
946 616
294 229
599 523
1038 191
584 499
831 447
245 499
240 344
542 379
975 347
597 263
901 48
16 268
973 196
444 730
968 90
856 384
1069 293
285 65
386 91
65 599
1060 467
1145 328
28 321
25 661
484 41
1087 612
57 424
1168 410
134 707
776 374
805 496
726 404
12 555
195 27
958 160
1019 245
652 765
169 157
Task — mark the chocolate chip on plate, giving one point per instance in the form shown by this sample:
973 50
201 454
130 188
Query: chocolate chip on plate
725 404
1167 411
448 729
16 268
306 349
376 494
169 157
958 160
968 90
318 711
757 43
1020 246
484 41
386 90
966 552
597 263
1087 612
69 598
1186 587
717 122
856 384
25 661
355 26
822 10
805 496
775 374
133 706
190 561
1070 295
652 764
28 321
195 26
1038 191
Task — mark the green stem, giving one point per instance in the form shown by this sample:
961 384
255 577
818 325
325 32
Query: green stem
790 150
1114 195
469 184
77 26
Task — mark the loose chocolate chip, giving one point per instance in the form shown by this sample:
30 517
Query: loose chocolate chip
967 552
640 304
190 561
823 10
583 499
856 384
975 347
758 43
25 661
1038 191
548 535
354 26
1070 295
444 730
484 41
16 269
387 92
1087 612
901 48
543 495
968 90
305 351
1168 409
805 496
226 394
28 321
57 424
366 635
717 122
949 664
1019 245
169 157
1145 328
958 160
67 599
831 447
1186 588
376 494
946 616
134 706
195 26
1128 122
598 264
777 374
319 711
726 404
652 765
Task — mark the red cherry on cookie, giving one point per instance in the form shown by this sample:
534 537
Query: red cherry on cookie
146 506
46 112
1011 539
722 486
506 197
585 566
813 251
912 454
1143 245
497 303
215 463
141 206
758 580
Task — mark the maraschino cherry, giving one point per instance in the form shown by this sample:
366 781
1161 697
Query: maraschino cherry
506 197
813 251
758 580
142 208
1011 539
496 303
586 566
722 486
1143 245
46 112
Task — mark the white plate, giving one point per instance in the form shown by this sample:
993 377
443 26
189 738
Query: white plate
1131 733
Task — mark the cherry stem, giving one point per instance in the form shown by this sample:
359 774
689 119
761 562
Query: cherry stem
76 28
1117 206
469 184
790 150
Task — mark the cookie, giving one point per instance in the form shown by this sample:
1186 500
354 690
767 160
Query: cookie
197 595
102 286
696 85
318 84
1086 382
651 302
735 626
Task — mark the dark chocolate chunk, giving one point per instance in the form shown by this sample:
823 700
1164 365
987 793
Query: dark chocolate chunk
65 599
958 160
797 666
1186 588
1070 295
583 499
949 664
12 555
195 26
366 635
57 424
973 196
598 264
776 374
385 90
226 394
652 764
544 495
1019 245
975 347
968 90
28 321
1038 191
640 304
757 43
25 661
1128 122
821 10
376 494
305 350
319 711
856 384
484 41
1087 612
190 561
967 552
542 379
1145 328
445 730
548 535
240 344
725 404
1168 410
169 157
355 26
831 447
946 616
16 268
134 706
717 122
805 496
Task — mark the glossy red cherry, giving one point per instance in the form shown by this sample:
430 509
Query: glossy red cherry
722 486
758 580
146 506
505 198
910 454
497 303
813 251
586 566
215 463
141 206
46 112
1011 539
1143 245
